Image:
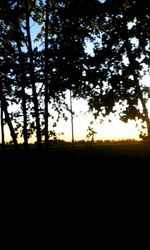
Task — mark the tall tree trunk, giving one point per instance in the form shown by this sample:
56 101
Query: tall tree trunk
72 127
46 76
33 82
7 118
2 128
145 111
22 83
24 109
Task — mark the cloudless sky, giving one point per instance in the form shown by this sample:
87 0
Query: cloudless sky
107 130
110 129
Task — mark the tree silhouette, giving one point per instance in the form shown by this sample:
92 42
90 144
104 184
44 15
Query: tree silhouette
115 71
7 61
33 77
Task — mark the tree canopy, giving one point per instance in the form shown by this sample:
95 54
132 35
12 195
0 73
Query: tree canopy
43 53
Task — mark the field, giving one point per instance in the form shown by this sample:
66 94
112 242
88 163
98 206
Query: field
105 158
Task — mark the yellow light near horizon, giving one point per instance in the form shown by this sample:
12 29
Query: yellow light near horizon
115 130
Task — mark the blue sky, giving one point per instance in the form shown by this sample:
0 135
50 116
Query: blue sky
82 118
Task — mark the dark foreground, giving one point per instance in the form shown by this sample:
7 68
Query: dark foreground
104 159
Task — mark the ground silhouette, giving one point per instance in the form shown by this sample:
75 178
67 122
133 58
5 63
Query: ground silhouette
105 158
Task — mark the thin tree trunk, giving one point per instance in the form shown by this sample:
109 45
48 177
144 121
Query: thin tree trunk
8 120
23 77
32 77
2 128
72 125
46 75
24 109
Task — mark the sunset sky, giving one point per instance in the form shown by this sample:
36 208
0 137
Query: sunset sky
113 130
110 129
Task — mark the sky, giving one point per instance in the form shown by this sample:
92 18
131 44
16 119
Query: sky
110 129
114 130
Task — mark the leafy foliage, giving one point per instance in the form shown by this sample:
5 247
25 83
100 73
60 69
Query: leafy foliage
36 72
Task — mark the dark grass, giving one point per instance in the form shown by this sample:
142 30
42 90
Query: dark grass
73 187
104 173
111 158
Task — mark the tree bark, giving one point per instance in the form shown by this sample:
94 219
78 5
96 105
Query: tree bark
33 81
71 112
7 118
2 128
138 89
46 76
22 83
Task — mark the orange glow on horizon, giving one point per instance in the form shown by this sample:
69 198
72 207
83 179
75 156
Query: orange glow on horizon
115 130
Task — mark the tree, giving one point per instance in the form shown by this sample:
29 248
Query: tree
16 15
18 37
46 57
6 62
121 53
71 22
28 7
119 33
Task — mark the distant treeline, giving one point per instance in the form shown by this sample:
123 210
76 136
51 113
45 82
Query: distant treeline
44 53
